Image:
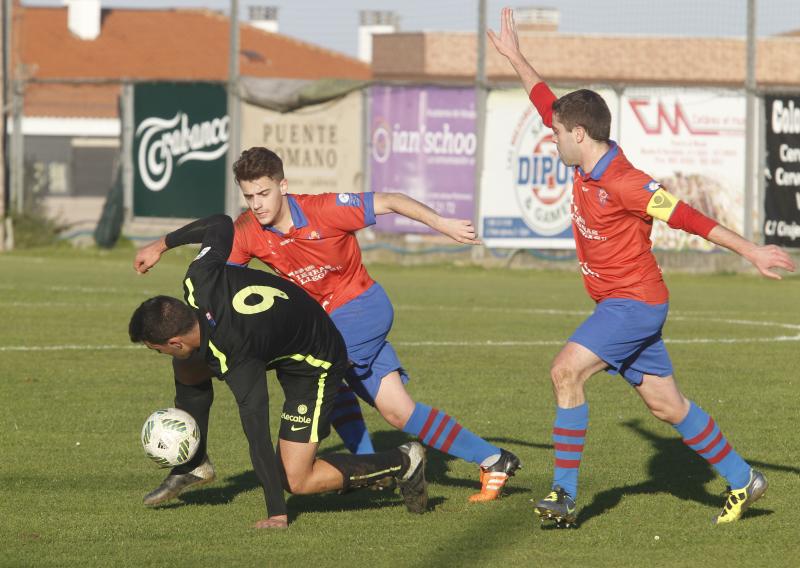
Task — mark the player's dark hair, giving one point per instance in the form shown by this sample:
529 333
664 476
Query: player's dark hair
258 162
159 319
587 109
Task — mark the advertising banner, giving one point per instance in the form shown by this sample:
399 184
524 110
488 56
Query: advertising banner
525 187
422 144
782 187
693 143
181 133
320 145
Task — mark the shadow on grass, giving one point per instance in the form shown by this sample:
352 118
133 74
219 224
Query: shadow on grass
438 470
673 468
225 491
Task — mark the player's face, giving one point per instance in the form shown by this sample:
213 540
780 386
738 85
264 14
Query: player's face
565 141
265 198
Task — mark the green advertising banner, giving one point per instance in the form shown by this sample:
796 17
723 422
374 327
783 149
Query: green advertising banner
181 133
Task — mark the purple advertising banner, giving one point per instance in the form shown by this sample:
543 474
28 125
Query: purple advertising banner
422 144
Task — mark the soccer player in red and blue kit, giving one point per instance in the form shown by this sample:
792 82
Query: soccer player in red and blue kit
310 239
613 207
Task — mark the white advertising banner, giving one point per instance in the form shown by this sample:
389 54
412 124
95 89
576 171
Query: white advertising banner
693 143
525 188
320 145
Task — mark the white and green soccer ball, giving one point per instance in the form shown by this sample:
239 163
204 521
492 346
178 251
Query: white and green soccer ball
170 437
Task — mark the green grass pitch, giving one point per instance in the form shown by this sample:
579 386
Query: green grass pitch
477 344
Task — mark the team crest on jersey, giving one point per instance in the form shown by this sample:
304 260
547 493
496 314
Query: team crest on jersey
202 253
314 235
602 197
653 186
542 182
348 199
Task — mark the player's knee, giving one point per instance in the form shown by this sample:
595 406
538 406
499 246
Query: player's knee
295 484
564 377
666 412
394 418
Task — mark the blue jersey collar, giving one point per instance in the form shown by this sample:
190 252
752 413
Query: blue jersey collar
298 217
602 165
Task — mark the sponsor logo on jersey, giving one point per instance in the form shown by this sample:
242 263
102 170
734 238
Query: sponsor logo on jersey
349 200
297 428
298 419
542 182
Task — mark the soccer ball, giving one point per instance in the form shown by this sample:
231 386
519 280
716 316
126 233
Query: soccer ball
170 437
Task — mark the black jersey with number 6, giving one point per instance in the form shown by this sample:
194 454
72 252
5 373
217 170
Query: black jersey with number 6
246 313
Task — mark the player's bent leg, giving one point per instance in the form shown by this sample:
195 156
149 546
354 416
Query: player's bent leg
438 430
663 398
303 473
701 433
570 370
405 464
393 401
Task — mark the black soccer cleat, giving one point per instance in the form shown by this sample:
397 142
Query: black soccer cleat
412 483
558 507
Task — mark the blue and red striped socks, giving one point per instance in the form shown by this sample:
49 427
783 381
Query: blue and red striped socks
436 429
701 433
348 422
569 434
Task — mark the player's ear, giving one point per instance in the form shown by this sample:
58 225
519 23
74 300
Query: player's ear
579 132
284 186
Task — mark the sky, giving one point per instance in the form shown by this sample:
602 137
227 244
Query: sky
333 24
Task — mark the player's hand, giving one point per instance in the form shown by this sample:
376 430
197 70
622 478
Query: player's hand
767 257
148 256
508 42
276 522
460 230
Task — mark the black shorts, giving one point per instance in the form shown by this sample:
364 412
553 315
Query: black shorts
310 386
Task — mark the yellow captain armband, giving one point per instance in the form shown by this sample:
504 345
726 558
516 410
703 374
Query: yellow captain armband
662 204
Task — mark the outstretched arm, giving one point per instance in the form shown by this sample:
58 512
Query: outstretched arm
680 215
216 230
508 46
764 258
460 230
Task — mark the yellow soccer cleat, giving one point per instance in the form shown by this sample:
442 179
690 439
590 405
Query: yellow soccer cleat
739 500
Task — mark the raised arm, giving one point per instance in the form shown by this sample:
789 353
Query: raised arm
460 230
508 46
215 231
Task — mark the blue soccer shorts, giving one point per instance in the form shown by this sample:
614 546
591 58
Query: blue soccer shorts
365 322
626 334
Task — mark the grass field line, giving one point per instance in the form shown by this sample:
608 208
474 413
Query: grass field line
674 316
486 343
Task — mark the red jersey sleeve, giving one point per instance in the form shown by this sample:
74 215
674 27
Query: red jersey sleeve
634 189
240 252
543 98
343 211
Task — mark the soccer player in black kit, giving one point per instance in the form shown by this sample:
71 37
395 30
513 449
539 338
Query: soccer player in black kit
236 324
